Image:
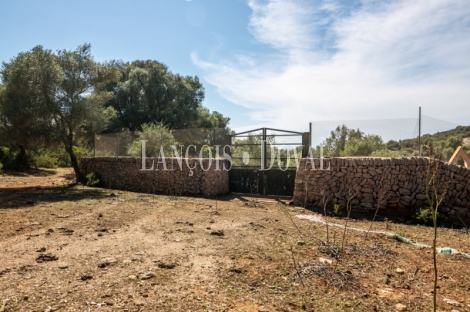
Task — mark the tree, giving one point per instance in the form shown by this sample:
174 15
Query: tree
53 98
363 146
148 92
206 119
30 82
157 136
73 107
336 142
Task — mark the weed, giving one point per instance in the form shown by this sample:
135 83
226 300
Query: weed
337 211
93 179
424 215
352 193
399 233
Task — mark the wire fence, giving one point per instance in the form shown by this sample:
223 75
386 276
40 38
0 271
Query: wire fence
382 137
193 140
333 138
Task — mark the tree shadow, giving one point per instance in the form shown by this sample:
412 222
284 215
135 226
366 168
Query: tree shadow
18 197
31 173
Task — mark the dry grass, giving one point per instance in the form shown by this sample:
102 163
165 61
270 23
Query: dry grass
119 251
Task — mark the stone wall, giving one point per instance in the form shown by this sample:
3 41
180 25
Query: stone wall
125 173
396 183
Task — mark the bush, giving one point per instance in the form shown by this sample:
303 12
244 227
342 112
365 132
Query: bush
53 157
93 179
44 160
10 159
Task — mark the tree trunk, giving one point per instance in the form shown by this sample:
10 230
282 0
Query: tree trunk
73 159
20 160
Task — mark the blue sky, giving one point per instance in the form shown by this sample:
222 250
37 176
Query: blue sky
275 63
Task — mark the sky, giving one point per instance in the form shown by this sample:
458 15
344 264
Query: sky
275 63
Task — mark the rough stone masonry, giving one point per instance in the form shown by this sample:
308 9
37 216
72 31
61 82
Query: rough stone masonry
125 173
395 184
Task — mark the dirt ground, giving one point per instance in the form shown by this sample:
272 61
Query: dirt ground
76 248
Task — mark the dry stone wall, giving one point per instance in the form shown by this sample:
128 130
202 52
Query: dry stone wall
125 173
395 184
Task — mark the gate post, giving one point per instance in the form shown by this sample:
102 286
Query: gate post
228 140
263 147
306 141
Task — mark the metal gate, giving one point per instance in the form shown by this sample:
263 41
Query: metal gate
264 160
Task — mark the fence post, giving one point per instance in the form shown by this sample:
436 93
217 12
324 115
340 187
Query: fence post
419 133
117 144
264 173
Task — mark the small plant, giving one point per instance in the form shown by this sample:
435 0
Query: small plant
93 179
352 193
424 215
400 233
325 201
337 211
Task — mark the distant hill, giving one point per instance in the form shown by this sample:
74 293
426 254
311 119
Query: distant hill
443 143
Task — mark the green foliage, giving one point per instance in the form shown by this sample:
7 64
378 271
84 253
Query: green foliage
157 135
353 142
444 143
423 215
51 158
251 144
208 120
45 160
5 156
384 152
93 179
14 158
29 82
49 99
399 233
336 143
80 152
337 211
393 145
42 158
363 145
148 92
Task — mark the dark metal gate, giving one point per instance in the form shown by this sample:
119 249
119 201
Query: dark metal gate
265 163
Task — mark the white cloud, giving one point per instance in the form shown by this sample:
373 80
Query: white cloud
378 59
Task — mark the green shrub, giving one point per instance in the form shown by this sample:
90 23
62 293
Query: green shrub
45 160
11 160
80 152
93 179
52 157
423 215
